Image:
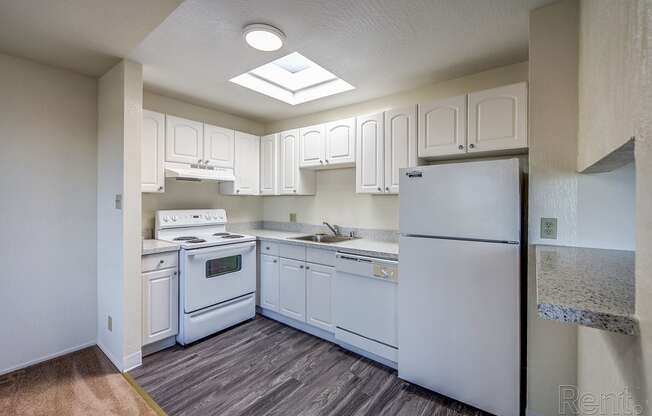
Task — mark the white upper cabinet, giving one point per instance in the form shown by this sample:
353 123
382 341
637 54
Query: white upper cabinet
152 152
246 166
312 146
498 118
293 180
442 127
269 165
400 144
184 140
219 146
370 163
340 143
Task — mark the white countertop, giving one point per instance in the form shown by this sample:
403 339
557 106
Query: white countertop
158 246
359 246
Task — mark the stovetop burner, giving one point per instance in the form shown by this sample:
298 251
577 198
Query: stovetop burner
186 238
220 234
233 236
196 240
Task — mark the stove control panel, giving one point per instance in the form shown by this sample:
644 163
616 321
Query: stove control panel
189 218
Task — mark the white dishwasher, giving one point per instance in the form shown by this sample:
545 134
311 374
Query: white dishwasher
366 295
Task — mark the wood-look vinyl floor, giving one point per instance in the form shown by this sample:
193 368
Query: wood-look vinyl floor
263 367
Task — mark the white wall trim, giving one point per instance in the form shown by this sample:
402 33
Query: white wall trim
132 361
111 358
46 357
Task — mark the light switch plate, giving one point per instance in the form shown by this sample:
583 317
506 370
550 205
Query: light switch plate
109 323
293 217
549 228
118 201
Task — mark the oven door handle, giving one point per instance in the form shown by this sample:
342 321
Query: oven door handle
225 250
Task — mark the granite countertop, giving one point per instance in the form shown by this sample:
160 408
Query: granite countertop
359 246
587 286
158 246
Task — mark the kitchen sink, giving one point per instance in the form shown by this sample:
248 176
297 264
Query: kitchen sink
325 238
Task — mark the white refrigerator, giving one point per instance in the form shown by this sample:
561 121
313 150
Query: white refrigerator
459 290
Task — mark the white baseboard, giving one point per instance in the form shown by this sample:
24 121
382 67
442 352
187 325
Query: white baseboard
117 363
132 361
46 357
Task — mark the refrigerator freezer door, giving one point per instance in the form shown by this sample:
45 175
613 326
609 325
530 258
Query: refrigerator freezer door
470 200
459 317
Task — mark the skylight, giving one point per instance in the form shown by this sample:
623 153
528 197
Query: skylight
293 79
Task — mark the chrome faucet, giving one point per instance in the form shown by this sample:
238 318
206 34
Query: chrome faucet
334 228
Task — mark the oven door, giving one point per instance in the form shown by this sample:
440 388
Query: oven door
216 274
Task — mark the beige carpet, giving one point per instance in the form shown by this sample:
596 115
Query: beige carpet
81 383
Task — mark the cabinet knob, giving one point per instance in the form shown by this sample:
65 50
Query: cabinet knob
274 261
307 267
387 188
294 190
267 248
160 188
237 191
301 267
321 161
380 189
461 147
207 161
326 160
161 261
471 146
199 162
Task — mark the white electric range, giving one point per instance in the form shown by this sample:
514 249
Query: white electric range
217 271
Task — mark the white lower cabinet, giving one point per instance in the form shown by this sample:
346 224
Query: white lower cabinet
292 289
160 304
319 289
269 282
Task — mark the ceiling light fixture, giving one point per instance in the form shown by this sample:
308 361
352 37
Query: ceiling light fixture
263 37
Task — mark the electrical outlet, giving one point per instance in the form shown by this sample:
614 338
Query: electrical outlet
109 323
293 217
549 228
118 201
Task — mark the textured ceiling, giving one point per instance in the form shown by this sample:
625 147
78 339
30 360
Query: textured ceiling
379 46
86 36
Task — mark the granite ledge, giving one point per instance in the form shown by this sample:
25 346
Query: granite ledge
587 286
158 246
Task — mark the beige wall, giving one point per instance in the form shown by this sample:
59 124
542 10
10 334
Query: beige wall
336 200
592 210
118 236
196 195
608 69
48 142
163 104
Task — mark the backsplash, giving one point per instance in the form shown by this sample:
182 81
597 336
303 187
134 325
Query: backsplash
390 236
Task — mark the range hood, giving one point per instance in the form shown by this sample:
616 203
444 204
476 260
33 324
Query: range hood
200 174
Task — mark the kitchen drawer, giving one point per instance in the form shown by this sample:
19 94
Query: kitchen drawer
160 261
320 256
292 251
268 247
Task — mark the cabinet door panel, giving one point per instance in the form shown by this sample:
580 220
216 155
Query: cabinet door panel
289 163
400 144
152 152
370 154
292 289
219 146
312 146
247 164
442 127
269 164
498 118
340 142
184 141
269 282
160 305
319 296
